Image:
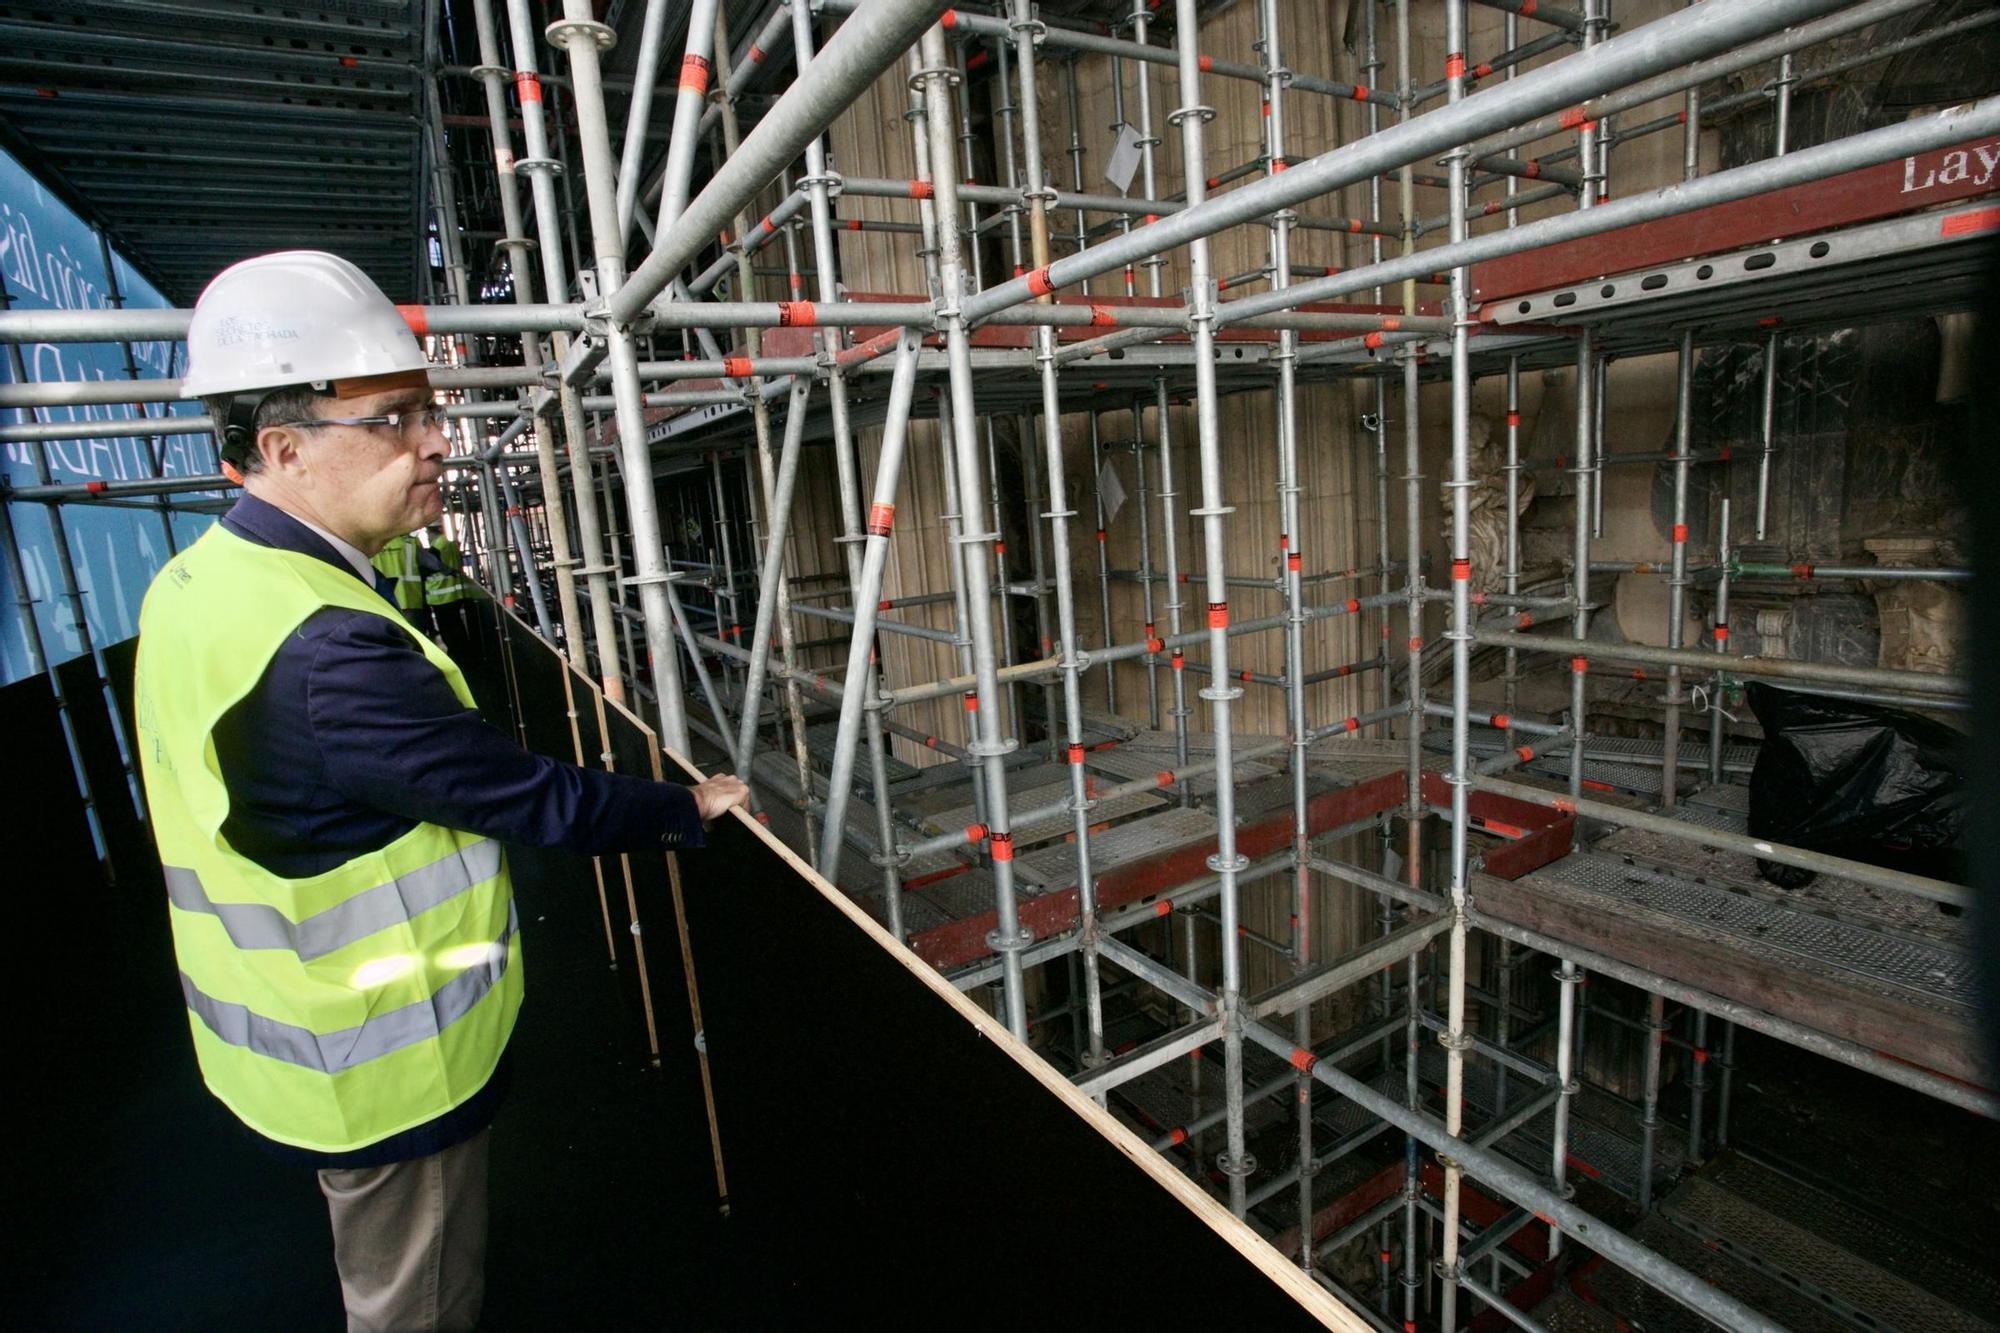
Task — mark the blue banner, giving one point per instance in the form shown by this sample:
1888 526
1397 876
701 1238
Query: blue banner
51 260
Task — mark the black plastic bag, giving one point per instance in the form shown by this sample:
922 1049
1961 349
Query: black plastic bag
1857 780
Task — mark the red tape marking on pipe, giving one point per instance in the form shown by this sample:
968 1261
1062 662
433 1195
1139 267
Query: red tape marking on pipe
971 701
1003 846
1371 340
922 190
1481 70
1038 282
1985 219
1461 571
1350 724
1359 93
854 224
1204 63
1163 778
1454 65
1101 316
1570 119
1353 605
796 314
528 87
948 20
95 487
1177 661
1525 752
975 833
884 604
1075 753
1302 1059
1525 619
1513 418
881 517
1802 571
1579 664
1292 562
413 315
736 367
1154 645
1218 615
1680 533
1500 720
1416 643
1722 634
1164 907
756 54
694 74
1176 1136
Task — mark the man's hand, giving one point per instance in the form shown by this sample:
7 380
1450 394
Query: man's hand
714 795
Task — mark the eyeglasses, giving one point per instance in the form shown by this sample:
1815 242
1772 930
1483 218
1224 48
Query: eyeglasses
413 425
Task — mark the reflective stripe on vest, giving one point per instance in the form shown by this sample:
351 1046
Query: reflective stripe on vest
375 1036
261 926
332 1011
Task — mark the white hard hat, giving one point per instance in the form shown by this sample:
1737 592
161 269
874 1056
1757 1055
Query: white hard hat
294 317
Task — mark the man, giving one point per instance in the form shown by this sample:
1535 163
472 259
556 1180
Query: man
328 804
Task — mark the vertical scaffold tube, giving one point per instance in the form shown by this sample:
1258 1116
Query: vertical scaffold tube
933 222
580 36
1718 683
1163 437
1677 581
1460 486
1290 544
1781 133
1058 516
987 747
1192 117
1649 1109
555 286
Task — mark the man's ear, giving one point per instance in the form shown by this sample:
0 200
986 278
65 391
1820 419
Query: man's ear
279 448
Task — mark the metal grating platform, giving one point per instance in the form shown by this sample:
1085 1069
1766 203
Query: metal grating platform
1936 973
1826 895
1639 1306
1886 1243
1142 838
1844 1283
819 744
1567 1312
1061 825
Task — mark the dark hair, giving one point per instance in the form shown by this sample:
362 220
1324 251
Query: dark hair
291 403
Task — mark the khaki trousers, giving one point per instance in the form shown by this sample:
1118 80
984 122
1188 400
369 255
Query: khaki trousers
409 1240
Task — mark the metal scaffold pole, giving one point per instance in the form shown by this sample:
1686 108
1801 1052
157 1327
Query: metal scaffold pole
1192 117
583 39
541 167
988 747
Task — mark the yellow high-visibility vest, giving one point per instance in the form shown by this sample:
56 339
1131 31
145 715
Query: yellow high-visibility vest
398 560
333 1011
450 585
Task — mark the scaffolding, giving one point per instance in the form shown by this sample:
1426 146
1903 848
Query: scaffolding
1099 786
